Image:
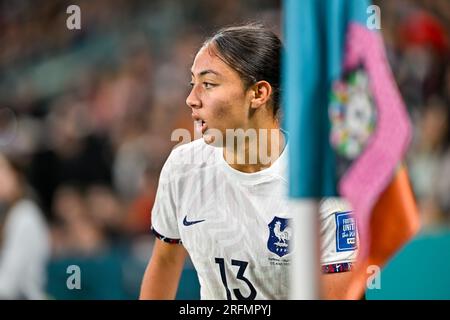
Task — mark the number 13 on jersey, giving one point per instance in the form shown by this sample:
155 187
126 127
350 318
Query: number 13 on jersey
240 276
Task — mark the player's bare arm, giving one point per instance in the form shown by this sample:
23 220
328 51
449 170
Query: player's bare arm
163 272
335 285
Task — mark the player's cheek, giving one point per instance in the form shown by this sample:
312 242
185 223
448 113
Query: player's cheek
215 112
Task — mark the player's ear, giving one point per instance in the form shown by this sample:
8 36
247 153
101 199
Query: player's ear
261 92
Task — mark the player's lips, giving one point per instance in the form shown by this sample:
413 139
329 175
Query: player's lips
200 124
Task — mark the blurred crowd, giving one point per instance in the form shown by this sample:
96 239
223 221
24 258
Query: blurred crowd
86 118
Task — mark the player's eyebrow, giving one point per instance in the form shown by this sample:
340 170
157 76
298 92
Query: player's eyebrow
205 72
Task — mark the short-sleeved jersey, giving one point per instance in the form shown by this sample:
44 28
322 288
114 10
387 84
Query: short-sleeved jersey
235 225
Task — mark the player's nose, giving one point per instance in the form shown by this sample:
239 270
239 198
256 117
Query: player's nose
192 100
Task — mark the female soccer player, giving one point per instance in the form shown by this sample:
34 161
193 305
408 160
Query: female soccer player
222 199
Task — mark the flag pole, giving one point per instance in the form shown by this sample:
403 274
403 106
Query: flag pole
305 264
305 267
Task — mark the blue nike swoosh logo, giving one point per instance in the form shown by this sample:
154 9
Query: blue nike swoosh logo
190 223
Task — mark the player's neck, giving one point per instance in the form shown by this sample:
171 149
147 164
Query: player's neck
257 150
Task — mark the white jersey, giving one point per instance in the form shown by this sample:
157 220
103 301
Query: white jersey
234 225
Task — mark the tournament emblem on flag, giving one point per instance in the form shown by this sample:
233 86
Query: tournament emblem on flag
352 113
280 236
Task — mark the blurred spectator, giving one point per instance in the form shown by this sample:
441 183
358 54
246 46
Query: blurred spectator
429 161
24 239
106 210
71 155
75 231
86 234
138 219
424 44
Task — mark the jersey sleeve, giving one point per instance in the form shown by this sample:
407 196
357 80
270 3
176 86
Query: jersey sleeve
338 234
164 212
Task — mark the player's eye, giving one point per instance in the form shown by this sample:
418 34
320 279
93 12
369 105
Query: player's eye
191 84
208 85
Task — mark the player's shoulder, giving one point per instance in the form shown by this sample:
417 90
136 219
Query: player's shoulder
196 145
188 157
193 153
331 205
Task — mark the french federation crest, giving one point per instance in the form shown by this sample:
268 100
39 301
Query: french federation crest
280 236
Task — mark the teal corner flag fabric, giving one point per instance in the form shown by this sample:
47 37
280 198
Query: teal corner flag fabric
315 34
